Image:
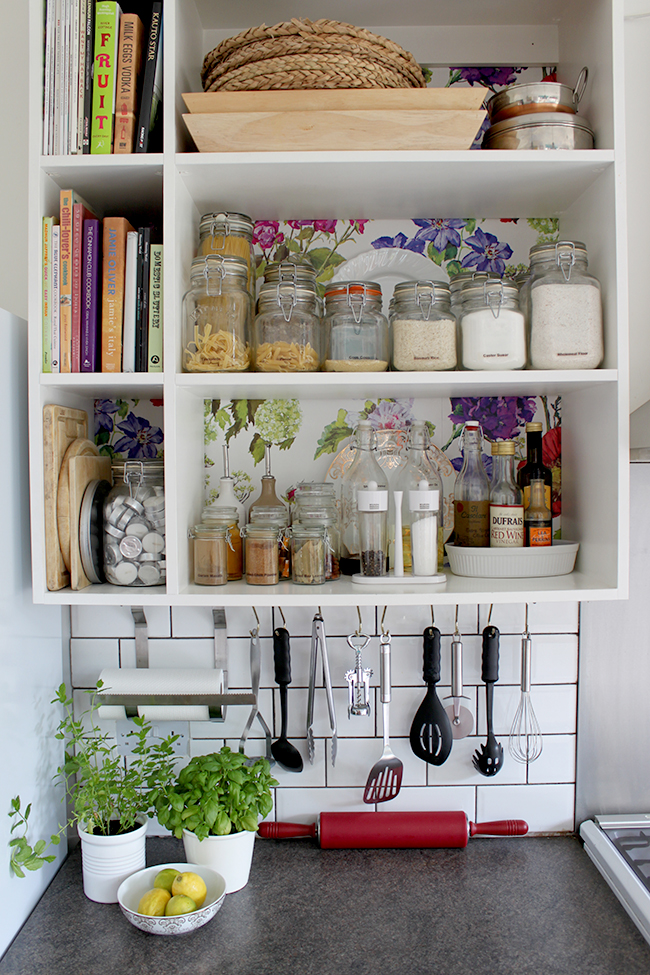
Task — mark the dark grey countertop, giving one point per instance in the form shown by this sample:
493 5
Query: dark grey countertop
533 906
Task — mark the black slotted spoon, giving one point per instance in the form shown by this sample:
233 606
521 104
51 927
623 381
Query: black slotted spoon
431 735
489 760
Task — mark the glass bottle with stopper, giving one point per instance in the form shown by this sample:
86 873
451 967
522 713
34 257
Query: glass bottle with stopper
363 469
418 468
268 498
472 493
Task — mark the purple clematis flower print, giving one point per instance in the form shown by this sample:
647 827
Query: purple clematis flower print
140 438
457 463
104 410
440 232
501 417
488 252
488 77
400 242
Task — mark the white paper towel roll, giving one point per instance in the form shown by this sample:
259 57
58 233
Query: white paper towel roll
146 681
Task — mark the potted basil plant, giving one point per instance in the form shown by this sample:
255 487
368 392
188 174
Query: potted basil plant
108 798
214 807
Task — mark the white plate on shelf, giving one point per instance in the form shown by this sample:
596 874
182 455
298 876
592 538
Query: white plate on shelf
557 559
388 266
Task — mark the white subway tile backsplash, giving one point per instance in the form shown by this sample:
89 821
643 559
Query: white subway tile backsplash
546 808
89 657
543 794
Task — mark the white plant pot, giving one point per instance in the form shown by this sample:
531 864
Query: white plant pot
231 855
108 860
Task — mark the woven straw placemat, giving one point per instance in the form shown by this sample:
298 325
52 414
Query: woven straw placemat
302 54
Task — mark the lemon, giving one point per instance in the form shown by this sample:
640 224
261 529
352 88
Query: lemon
190 884
179 904
153 903
165 878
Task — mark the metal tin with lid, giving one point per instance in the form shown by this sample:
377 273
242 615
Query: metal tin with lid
540 130
217 314
287 328
536 96
423 326
357 338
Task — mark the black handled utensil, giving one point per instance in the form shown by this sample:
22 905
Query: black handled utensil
489 759
285 754
431 735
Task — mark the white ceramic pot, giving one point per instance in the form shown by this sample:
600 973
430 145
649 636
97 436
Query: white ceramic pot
231 855
108 860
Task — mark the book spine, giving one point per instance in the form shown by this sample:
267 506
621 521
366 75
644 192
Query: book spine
115 231
58 74
48 76
146 100
65 280
56 268
81 27
129 62
142 323
48 223
155 343
107 23
73 116
88 75
90 294
130 301
79 213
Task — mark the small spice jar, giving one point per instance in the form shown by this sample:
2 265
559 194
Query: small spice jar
210 544
424 328
325 517
357 338
275 517
228 235
492 327
134 525
308 554
224 516
261 555
287 328
217 315
566 319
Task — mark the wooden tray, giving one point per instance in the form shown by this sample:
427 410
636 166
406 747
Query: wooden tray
336 119
83 470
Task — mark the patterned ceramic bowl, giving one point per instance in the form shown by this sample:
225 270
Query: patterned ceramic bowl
135 886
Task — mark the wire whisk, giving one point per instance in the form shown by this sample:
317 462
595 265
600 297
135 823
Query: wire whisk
525 742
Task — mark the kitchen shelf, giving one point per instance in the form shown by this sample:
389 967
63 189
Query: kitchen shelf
586 189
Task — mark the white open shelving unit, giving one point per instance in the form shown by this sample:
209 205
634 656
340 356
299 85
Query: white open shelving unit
585 189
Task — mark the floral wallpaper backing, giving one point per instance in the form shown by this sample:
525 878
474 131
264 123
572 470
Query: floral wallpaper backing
316 433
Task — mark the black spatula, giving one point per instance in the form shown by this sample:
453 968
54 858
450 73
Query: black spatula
285 754
431 736
489 760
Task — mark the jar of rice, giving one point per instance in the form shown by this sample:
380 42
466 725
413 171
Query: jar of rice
424 327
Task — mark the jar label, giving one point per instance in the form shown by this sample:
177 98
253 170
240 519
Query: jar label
472 523
506 525
539 535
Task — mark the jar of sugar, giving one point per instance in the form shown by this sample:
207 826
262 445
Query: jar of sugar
566 320
424 328
492 328
134 525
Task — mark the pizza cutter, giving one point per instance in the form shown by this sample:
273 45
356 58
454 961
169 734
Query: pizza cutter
460 717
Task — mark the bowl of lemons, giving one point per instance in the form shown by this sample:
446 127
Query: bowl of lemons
171 898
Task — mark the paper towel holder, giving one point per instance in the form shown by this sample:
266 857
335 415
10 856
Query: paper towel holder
215 703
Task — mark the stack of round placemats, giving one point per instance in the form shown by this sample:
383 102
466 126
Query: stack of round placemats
304 54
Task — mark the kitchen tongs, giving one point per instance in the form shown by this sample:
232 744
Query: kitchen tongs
318 640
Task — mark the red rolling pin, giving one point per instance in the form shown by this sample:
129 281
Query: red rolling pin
392 830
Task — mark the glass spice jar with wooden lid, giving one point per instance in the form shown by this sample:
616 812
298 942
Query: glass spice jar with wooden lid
217 315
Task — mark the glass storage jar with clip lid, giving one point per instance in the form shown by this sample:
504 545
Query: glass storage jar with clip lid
356 332
492 328
210 544
566 319
217 315
424 327
134 525
225 516
276 518
262 566
228 235
287 328
325 516
308 554
466 279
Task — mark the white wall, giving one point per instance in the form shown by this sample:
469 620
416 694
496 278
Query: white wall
30 648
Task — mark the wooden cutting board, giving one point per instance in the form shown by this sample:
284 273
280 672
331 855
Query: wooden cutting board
78 448
83 470
337 119
61 425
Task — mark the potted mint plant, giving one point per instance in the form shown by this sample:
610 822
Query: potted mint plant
214 807
108 798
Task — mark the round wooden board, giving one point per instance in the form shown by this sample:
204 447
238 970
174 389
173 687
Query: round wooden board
78 448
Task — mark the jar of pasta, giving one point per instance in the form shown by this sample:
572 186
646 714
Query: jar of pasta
228 235
424 328
217 315
357 338
287 328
